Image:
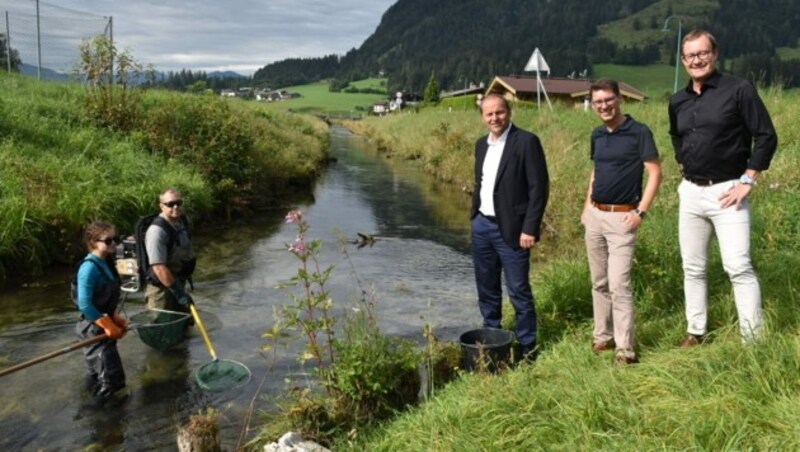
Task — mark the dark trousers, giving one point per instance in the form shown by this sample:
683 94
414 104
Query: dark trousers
493 256
103 364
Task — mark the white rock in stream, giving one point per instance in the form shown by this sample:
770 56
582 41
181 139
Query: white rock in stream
293 442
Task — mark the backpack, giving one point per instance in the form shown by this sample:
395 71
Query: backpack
145 272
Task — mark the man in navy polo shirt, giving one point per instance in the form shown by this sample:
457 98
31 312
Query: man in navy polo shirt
621 149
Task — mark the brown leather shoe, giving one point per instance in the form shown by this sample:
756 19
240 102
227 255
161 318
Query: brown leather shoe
604 346
624 358
691 340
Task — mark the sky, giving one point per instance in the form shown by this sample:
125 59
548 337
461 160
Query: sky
209 35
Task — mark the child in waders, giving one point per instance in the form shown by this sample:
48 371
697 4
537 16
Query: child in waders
97 295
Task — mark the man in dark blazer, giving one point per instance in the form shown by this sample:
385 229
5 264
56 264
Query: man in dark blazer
511 190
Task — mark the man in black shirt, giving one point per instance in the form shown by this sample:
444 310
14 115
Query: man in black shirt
621 149
723 139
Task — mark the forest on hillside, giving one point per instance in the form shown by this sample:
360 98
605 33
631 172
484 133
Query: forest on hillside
465 41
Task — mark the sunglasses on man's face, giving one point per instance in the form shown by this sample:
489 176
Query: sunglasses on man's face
171 204
108 240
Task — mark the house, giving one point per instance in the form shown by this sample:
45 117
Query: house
558 89
473 89
380 108
227 93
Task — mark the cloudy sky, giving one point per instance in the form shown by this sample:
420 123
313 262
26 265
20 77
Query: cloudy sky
238 35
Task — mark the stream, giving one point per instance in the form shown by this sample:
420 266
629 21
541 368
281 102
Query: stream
418 272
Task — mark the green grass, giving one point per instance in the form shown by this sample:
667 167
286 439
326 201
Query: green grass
720 396
316 98
374 83
655 80
58 171
692 13
789 53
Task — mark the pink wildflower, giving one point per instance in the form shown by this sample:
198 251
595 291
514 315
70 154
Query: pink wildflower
294 215
298 248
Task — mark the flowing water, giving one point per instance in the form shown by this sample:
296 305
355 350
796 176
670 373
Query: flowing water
417 272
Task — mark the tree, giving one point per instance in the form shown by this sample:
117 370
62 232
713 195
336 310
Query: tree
109 75
15 61
431 96
198 87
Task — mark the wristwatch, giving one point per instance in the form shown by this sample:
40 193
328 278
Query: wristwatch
747 180
641 213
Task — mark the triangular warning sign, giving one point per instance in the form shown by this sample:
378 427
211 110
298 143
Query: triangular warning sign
537 63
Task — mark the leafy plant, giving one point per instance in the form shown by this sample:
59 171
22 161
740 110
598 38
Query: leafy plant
375 375
310 311
109 74
203 132
366 376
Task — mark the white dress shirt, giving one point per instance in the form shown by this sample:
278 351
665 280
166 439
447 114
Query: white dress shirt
489 171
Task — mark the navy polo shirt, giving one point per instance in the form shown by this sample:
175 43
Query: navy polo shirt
619 158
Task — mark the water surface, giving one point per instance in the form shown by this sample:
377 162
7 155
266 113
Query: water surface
418 272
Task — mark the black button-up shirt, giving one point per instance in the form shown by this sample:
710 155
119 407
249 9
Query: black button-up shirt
723 131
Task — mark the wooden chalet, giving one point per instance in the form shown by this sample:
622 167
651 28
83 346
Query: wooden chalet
558 89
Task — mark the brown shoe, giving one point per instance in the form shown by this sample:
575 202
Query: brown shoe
603 346
691 340
624 358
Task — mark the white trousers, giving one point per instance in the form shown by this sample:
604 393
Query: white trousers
700 217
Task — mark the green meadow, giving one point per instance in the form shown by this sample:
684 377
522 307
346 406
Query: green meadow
723 395
315 98
656 81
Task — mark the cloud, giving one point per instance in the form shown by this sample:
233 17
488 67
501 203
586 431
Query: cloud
241 35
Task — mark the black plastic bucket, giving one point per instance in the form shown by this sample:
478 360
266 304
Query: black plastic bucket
486 348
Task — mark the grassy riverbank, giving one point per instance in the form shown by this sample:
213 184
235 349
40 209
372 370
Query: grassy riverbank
58 170
720 396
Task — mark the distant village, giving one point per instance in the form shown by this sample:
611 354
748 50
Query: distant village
265 95
569 90
515 88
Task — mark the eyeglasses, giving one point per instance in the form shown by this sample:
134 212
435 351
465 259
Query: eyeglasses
108 240
702 55
601 102
171 204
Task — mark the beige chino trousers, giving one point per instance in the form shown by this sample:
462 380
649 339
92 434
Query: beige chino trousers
609 246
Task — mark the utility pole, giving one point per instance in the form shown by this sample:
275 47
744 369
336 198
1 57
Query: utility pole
38 44
8 45
677 47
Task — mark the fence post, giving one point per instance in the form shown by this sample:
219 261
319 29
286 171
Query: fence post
38 44
8 45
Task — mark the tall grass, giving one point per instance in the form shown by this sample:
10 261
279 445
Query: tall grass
721 396
59 170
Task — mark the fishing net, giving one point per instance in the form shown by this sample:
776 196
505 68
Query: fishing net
160 329
221 375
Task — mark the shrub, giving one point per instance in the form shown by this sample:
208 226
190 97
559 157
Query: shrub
202 132
111 100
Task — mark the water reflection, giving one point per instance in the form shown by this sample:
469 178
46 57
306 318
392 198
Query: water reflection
418 272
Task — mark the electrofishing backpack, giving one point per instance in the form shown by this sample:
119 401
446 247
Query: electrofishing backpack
143 262
73 285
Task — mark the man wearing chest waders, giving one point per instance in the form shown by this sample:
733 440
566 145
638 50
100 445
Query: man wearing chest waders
170 256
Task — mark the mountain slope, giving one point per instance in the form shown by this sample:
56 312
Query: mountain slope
472 40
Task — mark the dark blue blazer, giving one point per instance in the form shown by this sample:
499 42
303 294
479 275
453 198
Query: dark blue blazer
522 186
